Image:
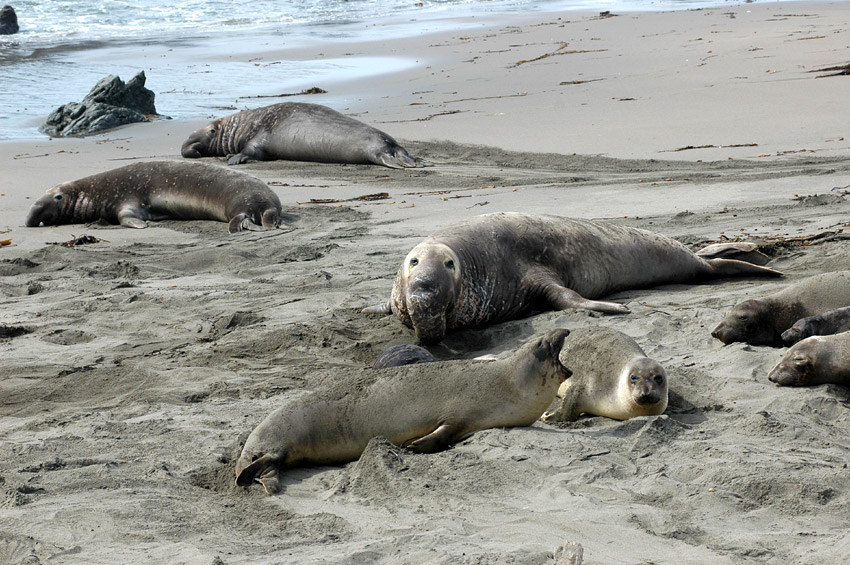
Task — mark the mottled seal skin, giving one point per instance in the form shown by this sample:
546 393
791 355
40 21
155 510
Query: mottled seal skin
498 267
828 323
398 355
816 360
612 377
761 321
161 190
424 407
296 132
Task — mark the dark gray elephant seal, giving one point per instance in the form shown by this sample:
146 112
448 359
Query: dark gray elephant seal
498 267
761 321
828 323
424 407
816 360
161 190
612 377
296 132
399 355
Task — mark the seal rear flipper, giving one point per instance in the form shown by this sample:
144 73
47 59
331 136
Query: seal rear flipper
378 309
438 440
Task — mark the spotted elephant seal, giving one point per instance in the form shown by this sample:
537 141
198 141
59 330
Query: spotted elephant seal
498 267
612 377
161 190
761 321
398 355
828 323
816 360
423 407
296 132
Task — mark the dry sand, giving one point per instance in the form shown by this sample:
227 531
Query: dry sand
133 369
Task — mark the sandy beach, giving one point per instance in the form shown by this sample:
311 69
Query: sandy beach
132 370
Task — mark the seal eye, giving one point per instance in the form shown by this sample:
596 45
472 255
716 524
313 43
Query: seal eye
633 378
57 197
211 132
450 264
659 379
801 361
742 318
414 262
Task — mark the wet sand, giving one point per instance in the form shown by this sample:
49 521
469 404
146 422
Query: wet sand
133 369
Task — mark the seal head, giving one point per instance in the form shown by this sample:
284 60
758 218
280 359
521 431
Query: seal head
59 205
643 386
198 144
749 321
432 272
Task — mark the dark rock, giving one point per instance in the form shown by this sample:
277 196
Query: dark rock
110 104
8 21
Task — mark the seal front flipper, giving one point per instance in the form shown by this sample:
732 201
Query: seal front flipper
735 268
563 298
237 159
129 217
378 309
264 470
438 440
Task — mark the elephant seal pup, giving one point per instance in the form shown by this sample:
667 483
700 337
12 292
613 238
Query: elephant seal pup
423 407
398 355
161 190
761 321
296 131
502 266
828 323
612 377
816 360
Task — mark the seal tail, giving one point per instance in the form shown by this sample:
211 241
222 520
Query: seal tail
735 268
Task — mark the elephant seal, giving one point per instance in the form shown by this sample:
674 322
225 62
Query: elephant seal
612 377
502 266
761 321
423 407
398 355
296 131
828 323
161 190
816 360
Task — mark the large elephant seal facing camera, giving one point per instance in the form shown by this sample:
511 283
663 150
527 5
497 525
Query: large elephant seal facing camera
816 360
612 377
761 321
296 131
424 407
498 267
161 190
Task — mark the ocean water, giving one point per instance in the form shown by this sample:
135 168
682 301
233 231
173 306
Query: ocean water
65 46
